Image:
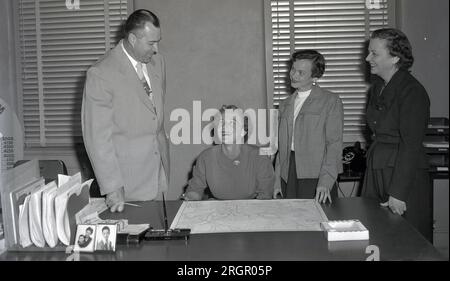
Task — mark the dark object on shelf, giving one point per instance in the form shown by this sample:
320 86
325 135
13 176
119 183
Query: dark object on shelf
437 126
170 234
436 146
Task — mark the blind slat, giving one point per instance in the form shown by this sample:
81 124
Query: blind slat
337 29
70 42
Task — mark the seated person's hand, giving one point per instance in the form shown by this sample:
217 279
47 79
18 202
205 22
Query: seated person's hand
385 204
263 195
191 196
322 194
116 200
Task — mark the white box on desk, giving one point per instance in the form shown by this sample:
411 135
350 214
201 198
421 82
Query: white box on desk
345 230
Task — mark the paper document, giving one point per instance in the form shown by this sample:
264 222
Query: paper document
135 229
250 216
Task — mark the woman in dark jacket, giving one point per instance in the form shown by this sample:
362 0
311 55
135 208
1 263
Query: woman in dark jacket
397 116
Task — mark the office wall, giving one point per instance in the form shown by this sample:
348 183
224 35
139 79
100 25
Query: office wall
426 23
7 55
214 52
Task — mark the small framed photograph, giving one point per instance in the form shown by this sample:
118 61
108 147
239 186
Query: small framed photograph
105 237
85 238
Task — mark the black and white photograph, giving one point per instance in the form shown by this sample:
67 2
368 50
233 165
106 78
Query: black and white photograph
266 132
105 237
85 238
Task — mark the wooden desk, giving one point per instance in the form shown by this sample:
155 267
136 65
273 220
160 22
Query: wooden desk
396 239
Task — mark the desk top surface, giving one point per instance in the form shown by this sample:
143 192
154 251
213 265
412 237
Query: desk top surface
394 237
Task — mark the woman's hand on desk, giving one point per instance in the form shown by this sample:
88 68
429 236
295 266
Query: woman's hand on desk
116 200
322 194
397 206
277 193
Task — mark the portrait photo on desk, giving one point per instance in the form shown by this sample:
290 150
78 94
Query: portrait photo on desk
105 237
85 238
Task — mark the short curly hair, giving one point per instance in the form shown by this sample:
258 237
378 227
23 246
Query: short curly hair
318 61
234 107
398 45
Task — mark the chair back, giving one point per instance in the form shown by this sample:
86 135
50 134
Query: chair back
49 169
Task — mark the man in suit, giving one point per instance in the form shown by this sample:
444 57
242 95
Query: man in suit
122 116
105 243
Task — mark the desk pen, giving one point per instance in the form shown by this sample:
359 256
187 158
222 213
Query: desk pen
166 225
131 204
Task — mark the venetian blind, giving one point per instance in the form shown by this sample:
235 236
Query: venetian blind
57 46
337 29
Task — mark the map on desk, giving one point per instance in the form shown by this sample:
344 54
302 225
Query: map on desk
249 216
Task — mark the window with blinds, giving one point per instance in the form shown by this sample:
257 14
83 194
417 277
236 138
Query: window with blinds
339 30
58 43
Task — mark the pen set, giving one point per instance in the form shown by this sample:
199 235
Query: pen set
166 233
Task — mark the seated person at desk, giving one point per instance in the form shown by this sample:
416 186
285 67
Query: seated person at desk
232 169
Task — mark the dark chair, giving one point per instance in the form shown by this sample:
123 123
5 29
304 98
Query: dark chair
49 169
94 192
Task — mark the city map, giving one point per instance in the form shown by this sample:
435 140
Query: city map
216 216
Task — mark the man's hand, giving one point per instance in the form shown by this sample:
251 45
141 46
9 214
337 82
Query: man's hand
322 194
191 196
397 206
116 200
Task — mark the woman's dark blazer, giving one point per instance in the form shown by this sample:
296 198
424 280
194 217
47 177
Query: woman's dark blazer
397 120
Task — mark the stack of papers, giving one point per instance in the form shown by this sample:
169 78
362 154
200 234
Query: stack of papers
39 211
132 233
90 213
135 229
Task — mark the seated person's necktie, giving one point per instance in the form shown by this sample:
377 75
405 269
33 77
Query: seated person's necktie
147 88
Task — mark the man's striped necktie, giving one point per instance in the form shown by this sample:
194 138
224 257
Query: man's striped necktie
147 88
